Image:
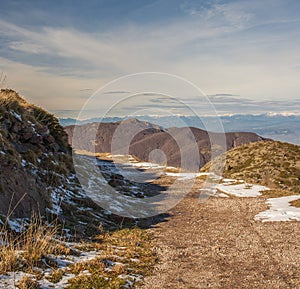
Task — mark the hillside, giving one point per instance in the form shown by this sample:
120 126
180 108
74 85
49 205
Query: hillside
36 170
52 235
271 163
35 157
98 137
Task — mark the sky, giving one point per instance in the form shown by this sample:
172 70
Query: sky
58 53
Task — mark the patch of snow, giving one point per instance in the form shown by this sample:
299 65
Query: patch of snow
280 210
16 115
56 199
232 181
130 279
10 280
241 190
17 224
146 165
63 283
83 209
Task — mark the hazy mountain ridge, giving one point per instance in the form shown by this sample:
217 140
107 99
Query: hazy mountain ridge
283 127
98 137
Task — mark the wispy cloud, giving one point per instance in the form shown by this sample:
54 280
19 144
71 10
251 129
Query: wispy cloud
247 48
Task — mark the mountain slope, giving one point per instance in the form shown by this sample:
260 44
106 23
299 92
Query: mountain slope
37 175
270 163
36 169
98 137
35 158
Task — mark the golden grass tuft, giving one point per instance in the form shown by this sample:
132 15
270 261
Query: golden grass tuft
56 276
26 249
28 282
295 203
11 99
8 254
37 241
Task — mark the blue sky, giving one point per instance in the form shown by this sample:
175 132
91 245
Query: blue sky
56 53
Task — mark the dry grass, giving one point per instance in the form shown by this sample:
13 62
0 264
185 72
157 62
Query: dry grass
26 249
8 255
126 252
28 283
276 193
10 99
37 242
295 203
130 250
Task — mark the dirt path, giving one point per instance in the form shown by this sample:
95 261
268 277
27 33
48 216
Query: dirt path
218 245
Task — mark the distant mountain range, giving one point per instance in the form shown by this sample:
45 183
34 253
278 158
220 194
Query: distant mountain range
282 127
178 144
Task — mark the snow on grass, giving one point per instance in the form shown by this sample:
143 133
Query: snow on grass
280 210
9 280
17 224
240 189
65 261
63 283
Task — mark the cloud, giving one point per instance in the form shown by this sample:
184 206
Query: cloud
28 47
230 14
117 92
230 47
44 89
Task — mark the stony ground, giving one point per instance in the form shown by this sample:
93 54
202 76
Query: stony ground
217 244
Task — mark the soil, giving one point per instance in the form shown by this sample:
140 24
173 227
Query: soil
217 244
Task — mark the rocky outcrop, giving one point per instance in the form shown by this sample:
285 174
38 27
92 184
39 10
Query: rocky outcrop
35 158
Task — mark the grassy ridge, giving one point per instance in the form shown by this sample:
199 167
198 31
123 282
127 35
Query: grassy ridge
271 163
